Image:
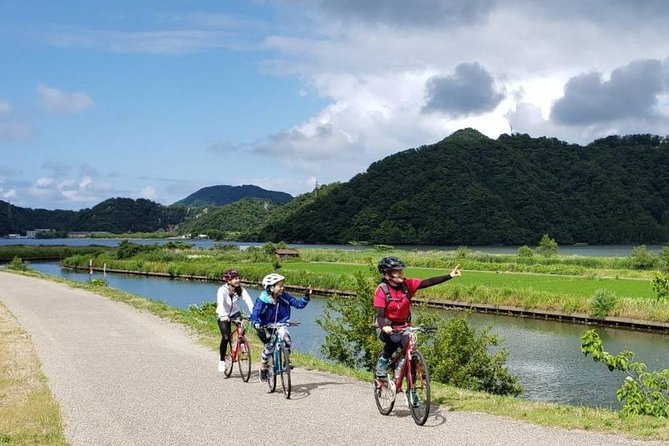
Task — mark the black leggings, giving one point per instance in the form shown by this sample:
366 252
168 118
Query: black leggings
392 342
226 330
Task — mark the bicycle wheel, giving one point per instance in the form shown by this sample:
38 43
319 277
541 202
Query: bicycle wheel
271 373
244 359
418 391
228 360
384 394
285 370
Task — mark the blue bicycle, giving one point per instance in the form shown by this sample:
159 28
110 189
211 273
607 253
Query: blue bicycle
279 362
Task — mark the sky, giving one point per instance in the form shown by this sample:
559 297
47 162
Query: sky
157 99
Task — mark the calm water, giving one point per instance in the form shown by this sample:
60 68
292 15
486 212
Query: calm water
544 355
580 250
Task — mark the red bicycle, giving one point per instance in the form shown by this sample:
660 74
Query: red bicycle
409 364
239 351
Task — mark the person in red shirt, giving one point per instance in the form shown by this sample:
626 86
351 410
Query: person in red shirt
392 301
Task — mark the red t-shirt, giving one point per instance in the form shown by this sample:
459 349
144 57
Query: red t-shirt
398 306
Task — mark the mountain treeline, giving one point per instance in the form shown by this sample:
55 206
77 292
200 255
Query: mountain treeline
222 194
115 215
472 190
465 190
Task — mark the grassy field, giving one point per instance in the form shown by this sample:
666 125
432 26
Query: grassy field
564 416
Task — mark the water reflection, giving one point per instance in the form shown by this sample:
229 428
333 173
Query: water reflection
545 355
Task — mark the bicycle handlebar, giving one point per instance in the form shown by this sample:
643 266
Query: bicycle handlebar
282 324
411 329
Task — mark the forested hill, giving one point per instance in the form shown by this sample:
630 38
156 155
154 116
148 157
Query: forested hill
472 190
222 195
117 215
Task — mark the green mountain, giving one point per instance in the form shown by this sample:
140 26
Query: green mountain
117 215
472 190
239 220
222 195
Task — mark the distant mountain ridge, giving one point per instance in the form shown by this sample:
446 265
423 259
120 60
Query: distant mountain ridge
222 194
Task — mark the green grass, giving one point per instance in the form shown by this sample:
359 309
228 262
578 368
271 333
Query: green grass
544 283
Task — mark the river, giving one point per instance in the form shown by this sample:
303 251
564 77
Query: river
544 355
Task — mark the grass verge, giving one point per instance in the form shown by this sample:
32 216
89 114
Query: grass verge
547 414
29 415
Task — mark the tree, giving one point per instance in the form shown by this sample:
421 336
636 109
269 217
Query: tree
547 246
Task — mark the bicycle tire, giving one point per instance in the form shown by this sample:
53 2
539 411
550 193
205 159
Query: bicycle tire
244 360
228 360
418 391
271 373
384 394
284 355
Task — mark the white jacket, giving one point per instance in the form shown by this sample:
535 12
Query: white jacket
227 302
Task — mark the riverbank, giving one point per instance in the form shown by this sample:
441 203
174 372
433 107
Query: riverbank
436 302
569 417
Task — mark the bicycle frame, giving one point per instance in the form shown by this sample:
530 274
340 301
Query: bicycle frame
414 370
239 351
280 357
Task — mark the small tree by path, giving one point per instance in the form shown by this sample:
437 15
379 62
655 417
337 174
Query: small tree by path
643 392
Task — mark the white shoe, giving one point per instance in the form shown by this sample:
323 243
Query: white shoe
221 366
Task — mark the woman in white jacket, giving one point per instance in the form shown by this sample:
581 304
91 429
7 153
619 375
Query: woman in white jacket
228 309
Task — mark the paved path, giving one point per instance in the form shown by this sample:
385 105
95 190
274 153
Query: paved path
125 377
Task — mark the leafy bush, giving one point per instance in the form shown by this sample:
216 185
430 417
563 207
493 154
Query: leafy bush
350 336
460 356
18 265
525 252
663 259
97 282
548 247
660 285
641 258
601 303
643 392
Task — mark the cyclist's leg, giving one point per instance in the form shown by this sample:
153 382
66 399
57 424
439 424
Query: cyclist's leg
389 347
224 327
286 341
265 337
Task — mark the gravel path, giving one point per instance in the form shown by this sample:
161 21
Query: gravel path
125 377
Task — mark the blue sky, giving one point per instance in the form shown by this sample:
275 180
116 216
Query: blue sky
157 99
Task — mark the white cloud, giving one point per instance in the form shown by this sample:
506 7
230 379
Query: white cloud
56 101
44 182
149 193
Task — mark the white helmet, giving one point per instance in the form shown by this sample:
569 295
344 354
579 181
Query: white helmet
271 279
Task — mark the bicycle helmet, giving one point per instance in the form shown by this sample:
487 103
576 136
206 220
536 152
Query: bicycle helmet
271 279
388 264
230 274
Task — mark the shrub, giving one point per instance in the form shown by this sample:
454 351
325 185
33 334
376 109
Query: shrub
548 247
460 356
641 258
525 251
663 256
17 264
642 392
350 336
601 303
660 285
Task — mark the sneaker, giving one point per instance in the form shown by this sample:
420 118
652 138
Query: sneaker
263 374
382 367
221 366
412 399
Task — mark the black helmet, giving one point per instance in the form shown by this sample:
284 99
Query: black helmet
388 264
